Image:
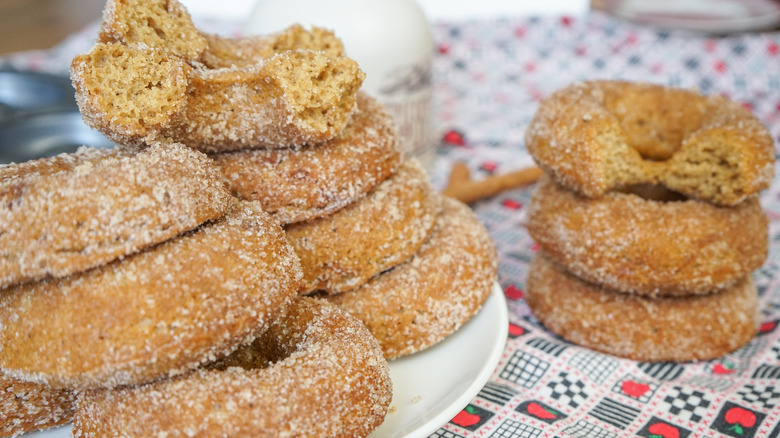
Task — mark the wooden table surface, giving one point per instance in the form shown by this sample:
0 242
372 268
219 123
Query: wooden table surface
41 24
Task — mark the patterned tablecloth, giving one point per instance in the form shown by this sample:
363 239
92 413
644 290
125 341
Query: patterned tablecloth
489 77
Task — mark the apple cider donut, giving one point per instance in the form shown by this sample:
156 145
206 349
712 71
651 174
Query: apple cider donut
166 25
137 94
26 407
157 313
676 329
295 185
595 136
341 251
316 372
65 214
631 243
420 302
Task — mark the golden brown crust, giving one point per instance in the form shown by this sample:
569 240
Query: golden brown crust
138 94
296 185
677 329
341 251
160 312
316 372
26 407
420 302
625 242
69 213
166 25
595 136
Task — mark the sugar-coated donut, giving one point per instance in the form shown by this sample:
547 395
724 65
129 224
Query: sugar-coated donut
420 302
317 372
676 329
166 25
26 407
296 185
595 136
630 243
137 94
341 251
160 312
68 213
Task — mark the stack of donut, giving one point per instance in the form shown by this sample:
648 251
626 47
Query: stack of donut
648 220
246 260
138 296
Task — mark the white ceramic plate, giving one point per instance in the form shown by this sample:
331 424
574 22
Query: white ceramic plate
431 387
710 16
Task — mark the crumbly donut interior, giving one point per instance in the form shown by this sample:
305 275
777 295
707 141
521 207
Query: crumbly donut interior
683 141
711 169
320 89
162 24
135 90
297 38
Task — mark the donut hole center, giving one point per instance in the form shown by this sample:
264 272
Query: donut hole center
654 192
656 124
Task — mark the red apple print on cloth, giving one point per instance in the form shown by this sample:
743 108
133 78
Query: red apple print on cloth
471 417
454 138
658 428
663 430
740 419
767 327
515 330
512 204
634 389
489 166
513 292
540 411
723 368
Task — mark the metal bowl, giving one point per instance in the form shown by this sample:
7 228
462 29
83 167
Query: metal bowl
39 117
45 135
32 92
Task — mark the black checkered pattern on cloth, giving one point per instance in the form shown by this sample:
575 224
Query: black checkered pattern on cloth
524 369
583 429
515 429
566 390
686 403
764 395
441 433
596 366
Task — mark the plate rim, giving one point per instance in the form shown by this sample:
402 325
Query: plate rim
496 299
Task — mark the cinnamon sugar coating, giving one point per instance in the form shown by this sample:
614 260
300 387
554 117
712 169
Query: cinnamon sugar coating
625 242
595 136
316 372
166 25
341 251
157 313
26 407
428 297
677 329
139 94
296 185
72 212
